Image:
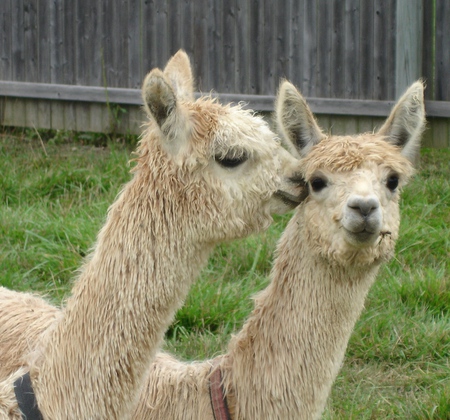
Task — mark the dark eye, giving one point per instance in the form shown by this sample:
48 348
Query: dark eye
392 182
230 162
318 184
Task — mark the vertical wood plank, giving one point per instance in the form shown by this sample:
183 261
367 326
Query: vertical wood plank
310 49
366 62
324 66
70 41
229 47
441 130
201 60
134 34
269 54
428 53
337 51
31 40
408 43
296 45
163 33
5 40
254 53
442 50
243 46
43 26
18 63
352 56
381 27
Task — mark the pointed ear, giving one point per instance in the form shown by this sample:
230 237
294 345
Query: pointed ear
406 122
295 121
159 97
178 71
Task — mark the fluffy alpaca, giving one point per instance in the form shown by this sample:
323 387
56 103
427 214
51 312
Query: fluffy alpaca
282 364
205 173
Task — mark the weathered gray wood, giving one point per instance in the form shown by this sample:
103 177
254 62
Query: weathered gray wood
366 63
257 102
442 77
310 50
5 41
324 81
352 57
408 43
328 48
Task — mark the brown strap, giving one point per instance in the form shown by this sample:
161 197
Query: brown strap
218 400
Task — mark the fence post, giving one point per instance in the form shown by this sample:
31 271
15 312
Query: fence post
408 59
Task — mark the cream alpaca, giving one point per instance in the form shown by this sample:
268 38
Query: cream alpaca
205 173
283 362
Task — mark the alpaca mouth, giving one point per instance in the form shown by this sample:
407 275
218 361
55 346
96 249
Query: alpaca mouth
363 236
291 199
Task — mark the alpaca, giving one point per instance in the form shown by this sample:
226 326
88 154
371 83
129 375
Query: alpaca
204 173
282 364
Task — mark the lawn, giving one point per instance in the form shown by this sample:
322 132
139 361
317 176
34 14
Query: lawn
55 189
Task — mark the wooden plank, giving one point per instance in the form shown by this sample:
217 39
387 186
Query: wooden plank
187 27
31 40
296 18
441 133
69 46
408 44
134 27
258 102
228 63
163 33
244 43
269 55
201 60
5 40
337 51
254 52
324 48
351 50
43 13
365 124
215 46
442 50
381 27
18 63
366 64
428 53
309 49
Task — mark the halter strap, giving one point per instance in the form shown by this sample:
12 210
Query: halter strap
216 393
26 398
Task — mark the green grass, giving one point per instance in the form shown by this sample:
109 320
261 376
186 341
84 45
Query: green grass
54 196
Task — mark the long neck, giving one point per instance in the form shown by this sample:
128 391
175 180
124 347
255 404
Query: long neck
124 299
283 362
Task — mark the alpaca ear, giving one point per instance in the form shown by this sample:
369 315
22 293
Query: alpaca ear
159 98
178 71
296 123
406 122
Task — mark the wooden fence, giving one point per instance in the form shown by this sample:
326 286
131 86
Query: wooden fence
78 64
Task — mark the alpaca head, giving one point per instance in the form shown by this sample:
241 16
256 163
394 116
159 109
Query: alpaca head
351 214
218 166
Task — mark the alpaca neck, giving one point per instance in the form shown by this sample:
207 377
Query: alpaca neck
283 362
123 301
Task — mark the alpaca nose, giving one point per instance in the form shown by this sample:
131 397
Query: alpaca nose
363 205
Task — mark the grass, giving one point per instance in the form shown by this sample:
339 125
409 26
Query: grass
54 195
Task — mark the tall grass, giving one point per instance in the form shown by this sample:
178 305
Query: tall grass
53 199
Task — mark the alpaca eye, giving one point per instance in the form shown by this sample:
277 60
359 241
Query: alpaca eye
392 182
318 184
230 162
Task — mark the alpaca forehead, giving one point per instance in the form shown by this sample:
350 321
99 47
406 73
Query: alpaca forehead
225 126
349 153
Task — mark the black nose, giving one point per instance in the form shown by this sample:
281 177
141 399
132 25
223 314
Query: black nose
363 205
